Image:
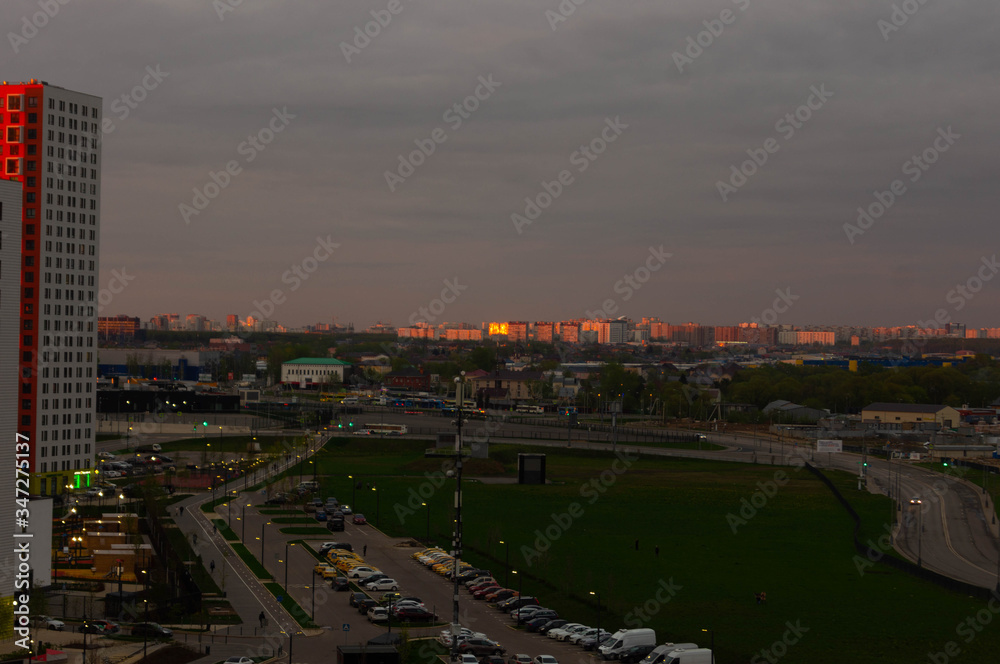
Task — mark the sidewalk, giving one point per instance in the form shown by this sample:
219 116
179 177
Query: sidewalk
244 591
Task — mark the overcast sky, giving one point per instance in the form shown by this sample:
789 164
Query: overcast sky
685 115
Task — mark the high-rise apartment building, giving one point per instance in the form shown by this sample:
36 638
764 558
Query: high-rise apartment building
10 338
51 146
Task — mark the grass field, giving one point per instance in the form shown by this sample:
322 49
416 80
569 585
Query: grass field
579 533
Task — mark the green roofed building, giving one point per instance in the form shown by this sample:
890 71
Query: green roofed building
308 372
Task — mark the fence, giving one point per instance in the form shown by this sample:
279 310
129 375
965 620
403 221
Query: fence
898 563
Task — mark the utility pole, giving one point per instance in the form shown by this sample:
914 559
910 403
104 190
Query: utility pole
457 541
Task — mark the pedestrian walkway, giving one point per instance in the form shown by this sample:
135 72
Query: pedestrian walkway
244 591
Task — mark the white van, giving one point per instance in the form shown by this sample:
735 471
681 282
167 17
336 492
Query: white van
693 656
626 638
660 652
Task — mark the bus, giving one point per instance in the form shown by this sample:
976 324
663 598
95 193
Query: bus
386 429
534 410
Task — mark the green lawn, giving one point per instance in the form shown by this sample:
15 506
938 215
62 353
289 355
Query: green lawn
294 519
304 530
301 617
251 561
795 545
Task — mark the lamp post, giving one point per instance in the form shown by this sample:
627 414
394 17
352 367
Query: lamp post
354 491
598 596
506 580
457 541
520 578
920 532
266 523
313 602
244 520
287 544
428 522
711 633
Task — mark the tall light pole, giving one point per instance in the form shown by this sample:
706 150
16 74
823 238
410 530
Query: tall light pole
598 595
711 633
428 522
266 523
377 506
506 580
287 544
457 541
313 602
520 579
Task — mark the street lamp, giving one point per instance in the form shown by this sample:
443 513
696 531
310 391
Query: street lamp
506 580
313 602
598 596
377 508
711 633
267 523
520 578
287 544
428 522
354 488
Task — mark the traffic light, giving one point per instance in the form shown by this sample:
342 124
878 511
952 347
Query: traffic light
340 425
351 424
944 463
205 424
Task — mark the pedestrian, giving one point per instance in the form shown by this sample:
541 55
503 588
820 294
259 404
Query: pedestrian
763 597
364 550
657 550
281 649
196 539
637 545
215 528
211 566
262 618
182 510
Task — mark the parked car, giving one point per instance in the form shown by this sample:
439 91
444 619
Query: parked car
500 594
480 647
594 643
359 519
635 654
378 614
355 598
552 624
413 613
238 660
519 658
534 624
382 584
365 604
546 659
576 637
562 631
277 499
48 622
362 572
493 659
340 583
467 659
321 515
106 626
153 630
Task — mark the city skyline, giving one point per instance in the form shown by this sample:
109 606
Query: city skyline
241 170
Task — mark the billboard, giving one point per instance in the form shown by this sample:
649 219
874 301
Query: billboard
829 446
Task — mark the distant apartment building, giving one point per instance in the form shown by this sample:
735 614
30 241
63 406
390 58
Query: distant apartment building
545 331
381 328
461 335
232 322
418 331
408 379
612 332
496 331
517 330
117 327
196 323
691 333
569 332
51 148
806 337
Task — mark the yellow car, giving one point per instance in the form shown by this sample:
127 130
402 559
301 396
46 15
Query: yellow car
329 573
